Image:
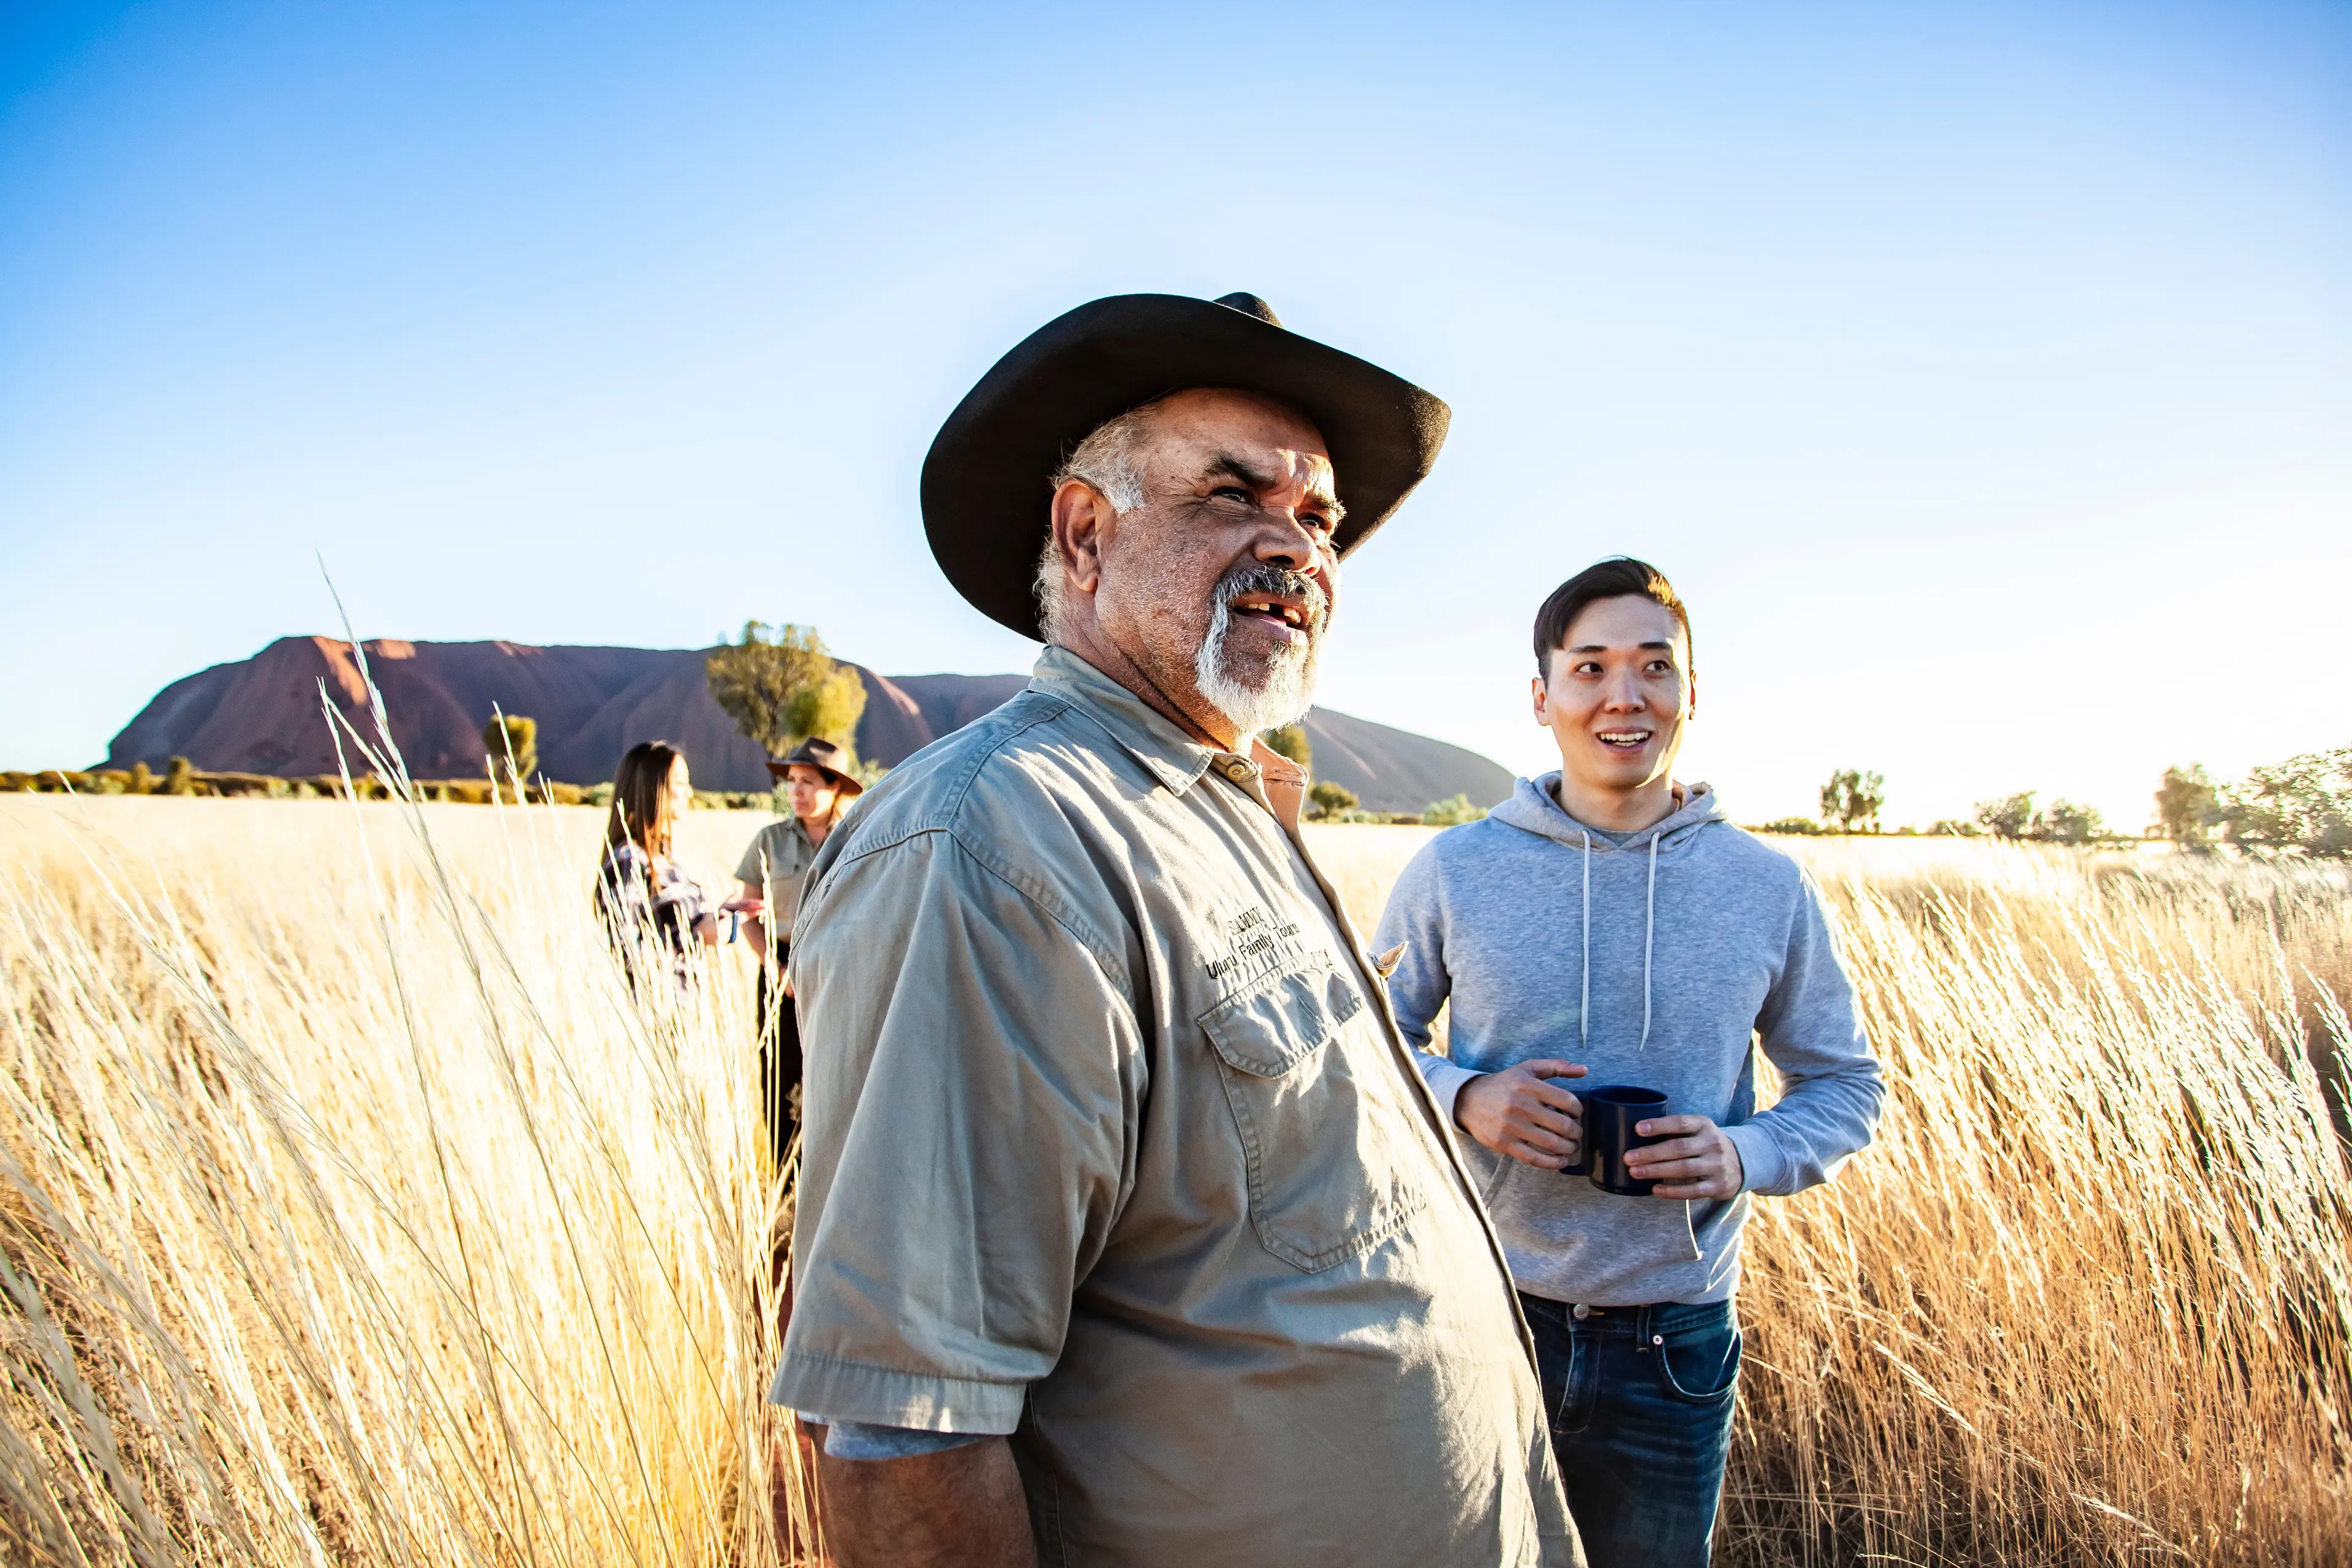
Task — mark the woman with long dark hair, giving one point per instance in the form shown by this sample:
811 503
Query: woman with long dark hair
651 908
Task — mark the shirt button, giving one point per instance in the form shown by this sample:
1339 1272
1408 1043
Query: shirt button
1238 771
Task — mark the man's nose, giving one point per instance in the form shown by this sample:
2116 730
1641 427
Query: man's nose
1285 541
1623 695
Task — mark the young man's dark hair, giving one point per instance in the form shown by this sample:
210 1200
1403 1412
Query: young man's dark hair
1611 579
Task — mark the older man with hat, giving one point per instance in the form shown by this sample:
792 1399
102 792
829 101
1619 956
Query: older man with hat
1128 1233
819 787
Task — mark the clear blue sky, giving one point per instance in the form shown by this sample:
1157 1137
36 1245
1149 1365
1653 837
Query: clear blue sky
1981 373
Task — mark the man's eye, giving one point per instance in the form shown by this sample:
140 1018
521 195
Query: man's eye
1231 492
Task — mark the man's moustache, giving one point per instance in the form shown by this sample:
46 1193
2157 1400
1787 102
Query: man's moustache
1276 579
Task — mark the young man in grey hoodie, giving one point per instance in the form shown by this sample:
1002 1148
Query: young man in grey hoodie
1607 921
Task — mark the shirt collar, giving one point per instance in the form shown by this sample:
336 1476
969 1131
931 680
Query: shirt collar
1168 755
1172 756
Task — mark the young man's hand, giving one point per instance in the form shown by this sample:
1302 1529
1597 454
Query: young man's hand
1520 1111
1697 1160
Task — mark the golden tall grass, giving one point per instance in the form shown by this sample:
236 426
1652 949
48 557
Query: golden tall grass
352 1211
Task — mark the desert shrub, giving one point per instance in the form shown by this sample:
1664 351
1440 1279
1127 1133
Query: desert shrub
1325 800
181 777
1290 741
111 781
1805 825
1451 812
734 800
512 740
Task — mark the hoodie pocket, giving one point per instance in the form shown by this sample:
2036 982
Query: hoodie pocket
1325 1179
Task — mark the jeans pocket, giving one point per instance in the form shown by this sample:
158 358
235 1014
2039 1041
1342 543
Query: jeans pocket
1580 1387
1700 1366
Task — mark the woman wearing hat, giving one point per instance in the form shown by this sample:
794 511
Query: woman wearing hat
818 783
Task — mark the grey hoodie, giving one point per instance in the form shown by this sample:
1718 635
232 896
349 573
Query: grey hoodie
1692 941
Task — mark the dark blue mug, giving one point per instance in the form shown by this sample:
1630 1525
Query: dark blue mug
1610 1112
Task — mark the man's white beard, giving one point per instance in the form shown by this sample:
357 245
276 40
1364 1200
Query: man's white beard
1283 692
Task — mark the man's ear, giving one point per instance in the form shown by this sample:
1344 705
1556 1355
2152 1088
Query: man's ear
1690 702
1543 708
1080 514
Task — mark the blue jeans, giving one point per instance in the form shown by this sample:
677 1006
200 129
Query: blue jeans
1641 1402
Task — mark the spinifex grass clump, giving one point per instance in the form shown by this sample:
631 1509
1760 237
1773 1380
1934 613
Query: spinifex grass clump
352 1211
2087 1299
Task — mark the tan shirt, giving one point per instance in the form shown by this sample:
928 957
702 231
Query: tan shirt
1112 1145
774 866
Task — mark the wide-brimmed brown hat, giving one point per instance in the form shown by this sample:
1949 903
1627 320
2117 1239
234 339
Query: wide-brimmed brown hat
984 496
823 756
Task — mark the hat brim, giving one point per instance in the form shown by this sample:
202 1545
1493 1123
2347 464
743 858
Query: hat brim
841 780
985 502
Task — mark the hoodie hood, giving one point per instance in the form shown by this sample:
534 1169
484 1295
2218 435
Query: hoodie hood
1534 807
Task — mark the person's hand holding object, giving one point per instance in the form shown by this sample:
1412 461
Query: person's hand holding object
1697 1160
1522 1112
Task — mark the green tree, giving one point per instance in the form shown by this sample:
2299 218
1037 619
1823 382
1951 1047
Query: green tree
1852 799
1451 812
512 741
1290 741
143 779
829 710
2014 817
182 777
780 687
2068 823
2185 805
2304 803
1327 799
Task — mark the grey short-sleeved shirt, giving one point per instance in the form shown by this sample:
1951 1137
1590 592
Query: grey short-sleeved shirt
777 863
1111 1145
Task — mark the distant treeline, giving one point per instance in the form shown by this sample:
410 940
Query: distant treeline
181 779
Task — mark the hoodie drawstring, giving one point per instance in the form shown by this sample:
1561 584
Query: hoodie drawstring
1649 932
1585 1009
1649 945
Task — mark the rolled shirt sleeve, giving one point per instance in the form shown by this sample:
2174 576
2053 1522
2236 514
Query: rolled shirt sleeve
752 869
974 1071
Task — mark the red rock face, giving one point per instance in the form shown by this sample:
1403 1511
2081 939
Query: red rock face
269 714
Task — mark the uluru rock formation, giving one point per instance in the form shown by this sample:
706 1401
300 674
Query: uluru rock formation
262 715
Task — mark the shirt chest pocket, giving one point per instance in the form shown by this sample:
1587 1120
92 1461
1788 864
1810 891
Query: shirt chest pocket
1316 1118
